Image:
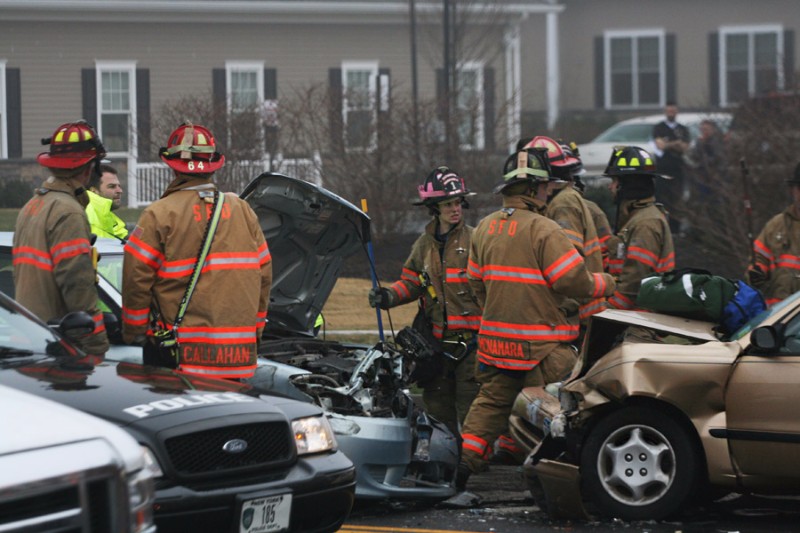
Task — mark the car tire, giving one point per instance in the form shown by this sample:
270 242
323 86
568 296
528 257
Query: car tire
639 464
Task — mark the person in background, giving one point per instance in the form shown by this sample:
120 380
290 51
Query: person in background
435 275
520 266
775 269
708 161
642 245
54 262
226 315
105 197
670 143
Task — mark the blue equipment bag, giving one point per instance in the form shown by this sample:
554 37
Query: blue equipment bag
745 304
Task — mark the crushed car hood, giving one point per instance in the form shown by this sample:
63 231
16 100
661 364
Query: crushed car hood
685 327
310 232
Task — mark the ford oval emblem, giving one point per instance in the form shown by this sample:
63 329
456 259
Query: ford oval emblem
235 446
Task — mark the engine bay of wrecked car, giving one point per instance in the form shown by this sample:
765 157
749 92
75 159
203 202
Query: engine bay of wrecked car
347 379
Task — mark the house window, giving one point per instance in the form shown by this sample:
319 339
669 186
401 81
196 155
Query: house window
3 113
359 110
470 106
635 65
245 87
751 62
245 82
116 106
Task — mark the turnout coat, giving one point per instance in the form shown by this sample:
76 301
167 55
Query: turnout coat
54 272
777 252
227 313
455 308
570 211
520 265
642 247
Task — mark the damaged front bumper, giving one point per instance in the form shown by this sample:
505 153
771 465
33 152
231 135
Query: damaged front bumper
554 483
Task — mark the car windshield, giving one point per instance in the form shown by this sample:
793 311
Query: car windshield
625 134
110 267
19 335
791 301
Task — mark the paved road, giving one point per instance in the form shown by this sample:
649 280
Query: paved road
508 508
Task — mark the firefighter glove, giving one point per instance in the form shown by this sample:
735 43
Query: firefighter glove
380 297
756 276
569 307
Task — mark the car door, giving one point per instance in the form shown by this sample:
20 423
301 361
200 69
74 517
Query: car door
762 403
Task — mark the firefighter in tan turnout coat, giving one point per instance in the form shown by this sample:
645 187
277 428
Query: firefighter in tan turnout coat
776 251
54 269
227 313
435 275
567 208
520 264
643 243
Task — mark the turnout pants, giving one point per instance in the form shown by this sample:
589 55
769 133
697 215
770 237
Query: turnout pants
488 416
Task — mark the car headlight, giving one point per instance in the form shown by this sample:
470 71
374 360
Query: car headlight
151 463
313 435
141 496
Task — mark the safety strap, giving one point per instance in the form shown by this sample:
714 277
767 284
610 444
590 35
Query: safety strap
211 228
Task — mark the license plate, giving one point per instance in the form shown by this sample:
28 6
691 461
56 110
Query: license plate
268 514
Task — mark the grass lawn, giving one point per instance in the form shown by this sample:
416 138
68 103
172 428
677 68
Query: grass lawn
8 216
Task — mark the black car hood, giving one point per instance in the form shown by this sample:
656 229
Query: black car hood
127 393
310 231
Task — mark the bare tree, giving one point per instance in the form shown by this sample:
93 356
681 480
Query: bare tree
764 134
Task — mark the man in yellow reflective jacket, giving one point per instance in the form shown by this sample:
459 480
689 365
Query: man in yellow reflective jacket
105 197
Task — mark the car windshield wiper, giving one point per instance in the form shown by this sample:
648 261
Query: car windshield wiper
11 351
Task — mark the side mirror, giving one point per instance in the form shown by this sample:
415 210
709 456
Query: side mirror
75 325
765 338
113 329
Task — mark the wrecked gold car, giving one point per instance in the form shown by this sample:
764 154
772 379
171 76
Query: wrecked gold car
660 412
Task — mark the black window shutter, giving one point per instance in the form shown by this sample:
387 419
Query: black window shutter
335 118
713 69
271 128
14 113
671 68
788 59
270 84
143 128
599 78
89 91
441 103
220 96
488 109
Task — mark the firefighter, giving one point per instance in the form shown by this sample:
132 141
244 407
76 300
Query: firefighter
642 245
227 312
54 262
776 251
520 265
599 218
568 209
435 275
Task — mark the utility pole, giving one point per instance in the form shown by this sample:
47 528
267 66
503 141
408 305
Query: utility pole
449 76
412 13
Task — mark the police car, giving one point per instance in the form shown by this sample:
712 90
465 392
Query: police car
224 457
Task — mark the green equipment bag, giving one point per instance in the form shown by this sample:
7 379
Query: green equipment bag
687 292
